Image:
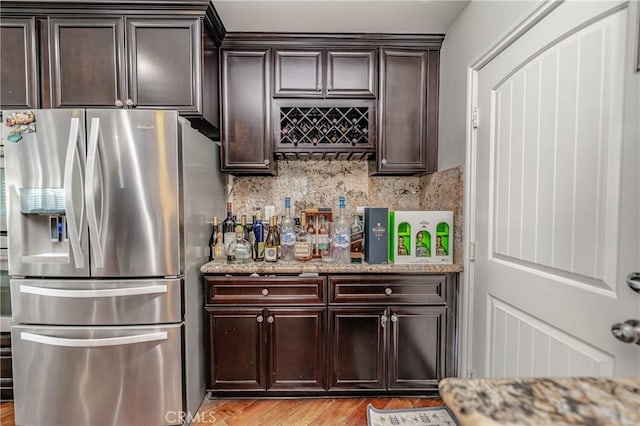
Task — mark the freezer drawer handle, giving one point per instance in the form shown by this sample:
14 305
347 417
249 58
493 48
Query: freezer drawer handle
81 294
93 343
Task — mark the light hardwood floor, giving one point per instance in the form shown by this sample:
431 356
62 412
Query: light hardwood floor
283 412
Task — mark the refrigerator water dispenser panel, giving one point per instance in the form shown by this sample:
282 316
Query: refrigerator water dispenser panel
42 200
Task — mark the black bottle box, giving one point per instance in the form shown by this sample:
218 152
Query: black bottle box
376 239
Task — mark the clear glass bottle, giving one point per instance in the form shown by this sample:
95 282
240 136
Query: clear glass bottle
287 233
341 236
240 249
311 231
271 243
303 247
323 238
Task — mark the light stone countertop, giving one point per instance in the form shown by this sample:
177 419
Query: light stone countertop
318 266
543 401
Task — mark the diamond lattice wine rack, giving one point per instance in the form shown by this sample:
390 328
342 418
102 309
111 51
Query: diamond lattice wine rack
325 132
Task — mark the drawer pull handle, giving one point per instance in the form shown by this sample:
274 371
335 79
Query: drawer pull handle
85 294
94 343
265 292
383 321
388 291
394 318
260 318
270 319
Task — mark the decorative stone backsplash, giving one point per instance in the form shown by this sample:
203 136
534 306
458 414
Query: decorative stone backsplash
320 183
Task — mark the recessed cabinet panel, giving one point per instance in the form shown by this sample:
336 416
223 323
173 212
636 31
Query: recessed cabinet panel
236 349
18 73
408 112
356 348
417 347
164 63
296 349
86 56
351 74
246 100
298 73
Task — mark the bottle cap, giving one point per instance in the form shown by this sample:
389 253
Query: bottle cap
287 202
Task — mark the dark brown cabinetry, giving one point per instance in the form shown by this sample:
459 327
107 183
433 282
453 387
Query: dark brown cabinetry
386 333
246 104
400 344
266 334
408 111
158 67
325 73
19 72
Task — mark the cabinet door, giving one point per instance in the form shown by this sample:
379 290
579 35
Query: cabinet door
86 57
408 105
296 349
246 100
18 74
298 73
236 349
417 347
164 63
357 348
351 74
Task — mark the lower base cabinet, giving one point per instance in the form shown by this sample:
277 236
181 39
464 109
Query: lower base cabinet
266 349
382 334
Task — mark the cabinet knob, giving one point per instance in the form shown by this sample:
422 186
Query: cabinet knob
388 291
130 103
267 162
394 318
270 319
119 103
265 292
383 161
383 321
260 318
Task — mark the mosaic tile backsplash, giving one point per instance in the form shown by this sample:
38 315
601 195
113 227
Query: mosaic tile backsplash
320 183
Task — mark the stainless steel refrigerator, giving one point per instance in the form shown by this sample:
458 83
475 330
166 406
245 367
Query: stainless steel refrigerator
108 216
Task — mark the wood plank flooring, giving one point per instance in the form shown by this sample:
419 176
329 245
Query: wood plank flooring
282 412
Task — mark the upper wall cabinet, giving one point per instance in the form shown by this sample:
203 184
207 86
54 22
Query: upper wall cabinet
408 112
246 105
18 73
325 73
158 67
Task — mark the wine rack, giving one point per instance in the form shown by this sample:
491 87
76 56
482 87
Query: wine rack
343 132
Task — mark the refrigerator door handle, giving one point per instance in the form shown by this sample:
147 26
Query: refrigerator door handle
93 343
74 229
82 294
92 219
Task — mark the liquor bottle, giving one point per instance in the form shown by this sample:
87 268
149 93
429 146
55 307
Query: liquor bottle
271 243
288 233
341 236
228 229
302 247
357 235
311 231
323 238
213 239
240 249
258 235
219 255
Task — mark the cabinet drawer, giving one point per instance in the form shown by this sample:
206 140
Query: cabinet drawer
265 290
377 289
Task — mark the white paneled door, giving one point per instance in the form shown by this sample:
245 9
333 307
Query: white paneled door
557 197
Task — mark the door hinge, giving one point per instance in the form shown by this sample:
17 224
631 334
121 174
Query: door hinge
475 117
472 251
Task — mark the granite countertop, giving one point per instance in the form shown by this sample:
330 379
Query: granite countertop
543 401
322 267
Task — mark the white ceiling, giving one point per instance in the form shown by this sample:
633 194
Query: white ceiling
339 16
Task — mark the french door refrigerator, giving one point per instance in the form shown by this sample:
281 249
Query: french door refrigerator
107 212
